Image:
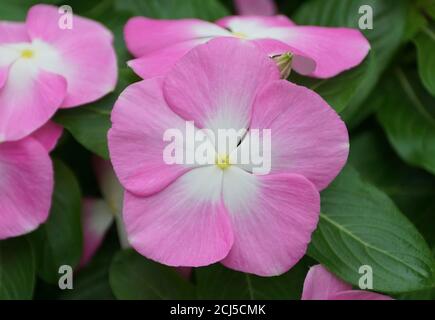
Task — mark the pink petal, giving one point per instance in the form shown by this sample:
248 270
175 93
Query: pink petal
334 49
215 84
29 99
144 35
11 32
48 135
89 60
4 71
256 7
186 224
307 135
320 284
160 62
26 187
252 24
359 295
96 221
139 120
273 217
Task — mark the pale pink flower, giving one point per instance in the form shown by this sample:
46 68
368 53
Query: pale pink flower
320 284
317 51
44 68
192 215
26 181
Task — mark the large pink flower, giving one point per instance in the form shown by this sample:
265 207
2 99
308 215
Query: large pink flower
44 68
320 284
318 51
195 215
26 181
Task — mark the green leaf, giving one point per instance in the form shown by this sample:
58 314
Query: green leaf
425 42
415 22
174 9
89 124
59 241
360 225
384 39
407 115
92 282
338 91
132 277
16 10
17 269
217 282
412 189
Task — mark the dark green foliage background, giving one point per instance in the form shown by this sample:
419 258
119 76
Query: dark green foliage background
380 211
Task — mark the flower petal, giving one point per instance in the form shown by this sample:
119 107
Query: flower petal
334 49
273 217
143 35
160 62
320 284
11 32
186 224
96 221
307 135
29 99
88 57
48 135
250 25
256 7
26 187
140 120
215 84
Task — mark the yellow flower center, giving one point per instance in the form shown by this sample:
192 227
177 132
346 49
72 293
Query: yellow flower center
27 54
239 35
223 161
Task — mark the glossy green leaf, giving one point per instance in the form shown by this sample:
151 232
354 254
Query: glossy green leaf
132 277
406 113
59 241
218 282
384 39
360 225
174 9
340 90
89 124
412 189
17 269
425 42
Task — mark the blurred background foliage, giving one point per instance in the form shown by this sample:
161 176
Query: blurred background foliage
380 211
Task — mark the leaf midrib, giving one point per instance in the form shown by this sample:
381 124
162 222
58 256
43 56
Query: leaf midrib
367 245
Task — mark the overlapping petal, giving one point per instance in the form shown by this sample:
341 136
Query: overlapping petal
320 284
86 56
256 7
272 216
307 135
26 186
48 135
186 224
28 99
217 91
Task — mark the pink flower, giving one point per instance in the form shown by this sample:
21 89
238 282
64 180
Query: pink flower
26 181
320 284
96 221
195 215
44 68
317 51
255 7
